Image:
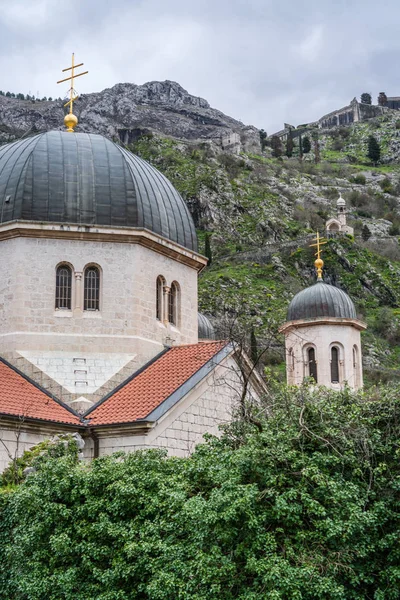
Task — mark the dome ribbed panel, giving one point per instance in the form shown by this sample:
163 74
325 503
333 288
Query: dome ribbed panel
86 179
321 300
205 328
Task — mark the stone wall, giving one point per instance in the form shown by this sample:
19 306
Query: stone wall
29 321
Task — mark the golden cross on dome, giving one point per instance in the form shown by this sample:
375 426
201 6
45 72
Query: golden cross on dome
319 263
70 119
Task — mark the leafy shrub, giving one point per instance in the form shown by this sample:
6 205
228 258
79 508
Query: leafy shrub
397 124
359 179
305 506
394 229
386 185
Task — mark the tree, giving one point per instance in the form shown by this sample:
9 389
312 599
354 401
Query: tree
307 508
263 139
366 98
382 99
365 233
317 155
207 248
289 145
276 145
306 145
300 147
374 150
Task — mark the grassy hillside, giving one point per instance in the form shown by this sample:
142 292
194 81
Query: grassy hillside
261 214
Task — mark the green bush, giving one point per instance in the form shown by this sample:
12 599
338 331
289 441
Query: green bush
386 185
306 505
359 179
397 124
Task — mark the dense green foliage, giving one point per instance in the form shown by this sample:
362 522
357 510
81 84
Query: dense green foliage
374 149
307 509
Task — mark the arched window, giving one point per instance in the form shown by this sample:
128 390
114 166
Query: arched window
356 367
291 359
63 287
159 297
335 365
173 301
312 364
91 299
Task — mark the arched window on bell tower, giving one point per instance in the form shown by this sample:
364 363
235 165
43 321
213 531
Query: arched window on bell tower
335 375
312 364
356 367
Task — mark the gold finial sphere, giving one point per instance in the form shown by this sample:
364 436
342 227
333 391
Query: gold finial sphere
70 121
319 263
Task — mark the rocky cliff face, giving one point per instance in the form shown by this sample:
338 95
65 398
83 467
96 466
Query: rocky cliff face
126 111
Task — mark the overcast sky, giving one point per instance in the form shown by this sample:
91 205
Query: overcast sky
261 61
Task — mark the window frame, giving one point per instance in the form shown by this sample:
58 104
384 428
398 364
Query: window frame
312 366
91 294
335 364
174 304
66 297
160 293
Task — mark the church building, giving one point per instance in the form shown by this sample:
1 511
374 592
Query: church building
322 336
99 327
338 224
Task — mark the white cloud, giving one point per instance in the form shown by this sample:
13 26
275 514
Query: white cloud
310 47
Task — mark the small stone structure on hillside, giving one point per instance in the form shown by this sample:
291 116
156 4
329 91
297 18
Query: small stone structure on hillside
339 224
230 142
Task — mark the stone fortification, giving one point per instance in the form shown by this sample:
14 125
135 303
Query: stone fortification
352 113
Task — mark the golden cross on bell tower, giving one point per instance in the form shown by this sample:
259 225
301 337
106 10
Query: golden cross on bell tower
70 119
319 263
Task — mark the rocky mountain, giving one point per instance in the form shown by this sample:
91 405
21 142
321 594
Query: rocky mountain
127 111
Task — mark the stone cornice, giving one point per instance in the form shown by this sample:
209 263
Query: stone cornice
321 321
99 233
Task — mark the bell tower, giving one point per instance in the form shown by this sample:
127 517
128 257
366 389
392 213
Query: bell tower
322 335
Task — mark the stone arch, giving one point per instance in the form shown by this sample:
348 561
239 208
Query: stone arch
356 366
337 362
310 360
174 304
160 285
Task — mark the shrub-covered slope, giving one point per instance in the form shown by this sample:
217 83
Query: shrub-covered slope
260 214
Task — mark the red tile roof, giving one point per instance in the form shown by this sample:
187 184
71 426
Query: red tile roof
21 398
147 390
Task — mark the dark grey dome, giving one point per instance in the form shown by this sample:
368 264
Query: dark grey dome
86 179
321 300
206 329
